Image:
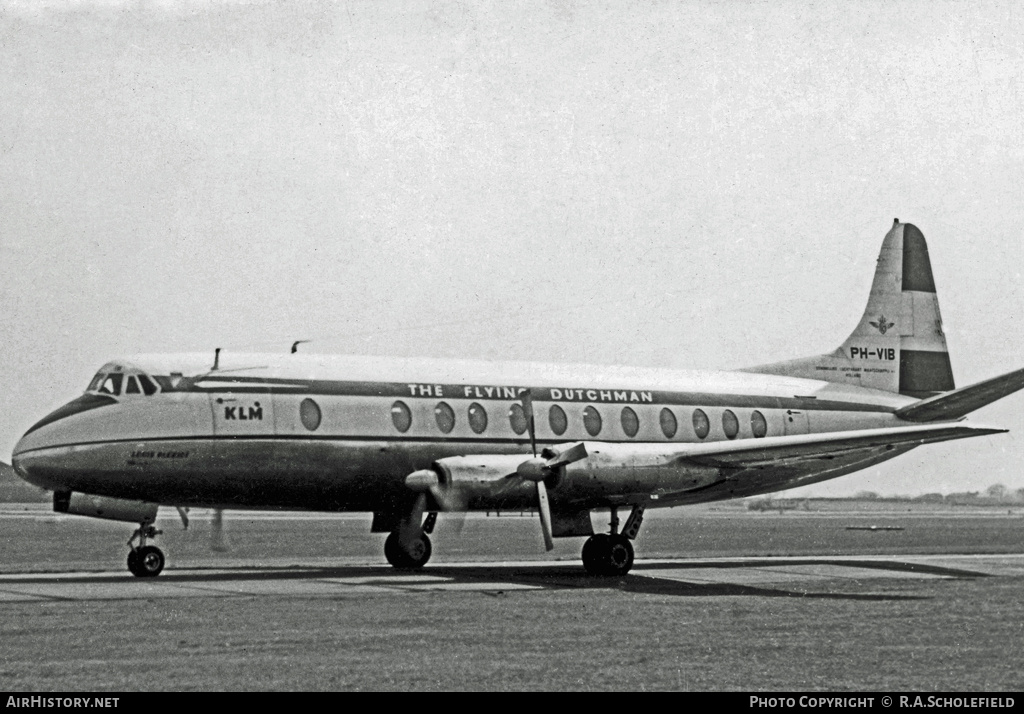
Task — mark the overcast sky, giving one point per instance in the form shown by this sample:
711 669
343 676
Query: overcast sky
681 185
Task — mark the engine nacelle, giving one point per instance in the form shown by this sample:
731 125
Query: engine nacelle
609 470
486 479
618 469
115 509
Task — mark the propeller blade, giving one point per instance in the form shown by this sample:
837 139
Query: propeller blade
540 467
183 512
575 453
450 499
218 541
527 398
545 514
411 529
458 521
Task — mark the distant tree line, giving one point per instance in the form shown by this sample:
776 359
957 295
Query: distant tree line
995 495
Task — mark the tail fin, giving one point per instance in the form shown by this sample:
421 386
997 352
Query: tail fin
898 346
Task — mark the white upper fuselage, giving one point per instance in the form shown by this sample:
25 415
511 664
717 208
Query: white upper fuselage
356 394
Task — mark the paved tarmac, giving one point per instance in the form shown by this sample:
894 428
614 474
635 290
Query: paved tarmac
327 579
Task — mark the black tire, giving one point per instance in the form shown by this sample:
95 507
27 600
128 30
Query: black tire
400 556
133 562
393 551
150 562
594 554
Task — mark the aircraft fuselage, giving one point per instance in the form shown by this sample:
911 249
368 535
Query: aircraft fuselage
291 431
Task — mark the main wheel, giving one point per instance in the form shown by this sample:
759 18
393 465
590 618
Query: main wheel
619 558
149 562
594 554
607 555
411 555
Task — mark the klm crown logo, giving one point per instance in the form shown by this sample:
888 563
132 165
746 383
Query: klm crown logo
882 325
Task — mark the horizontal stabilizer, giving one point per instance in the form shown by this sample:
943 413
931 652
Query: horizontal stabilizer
959 402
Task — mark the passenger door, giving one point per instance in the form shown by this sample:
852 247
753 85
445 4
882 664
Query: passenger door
795 422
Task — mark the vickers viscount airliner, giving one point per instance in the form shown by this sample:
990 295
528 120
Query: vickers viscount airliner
406 439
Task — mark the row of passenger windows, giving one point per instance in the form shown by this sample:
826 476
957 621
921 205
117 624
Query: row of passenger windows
444 415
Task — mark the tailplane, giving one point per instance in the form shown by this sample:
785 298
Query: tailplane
898 346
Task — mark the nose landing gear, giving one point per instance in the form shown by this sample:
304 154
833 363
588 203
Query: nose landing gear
408 547
145 561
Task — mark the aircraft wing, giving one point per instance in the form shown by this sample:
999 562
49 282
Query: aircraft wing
694 473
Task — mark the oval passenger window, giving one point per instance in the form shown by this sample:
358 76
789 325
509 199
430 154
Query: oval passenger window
401 417
445 417
730 424
517 418
758 425
309 414
669 425
557 419
701 425
630 422
477 418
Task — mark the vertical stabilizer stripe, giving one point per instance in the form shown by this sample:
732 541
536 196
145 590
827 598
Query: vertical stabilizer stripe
923 374
917 268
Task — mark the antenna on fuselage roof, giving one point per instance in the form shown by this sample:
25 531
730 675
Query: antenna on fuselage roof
295 345
216 360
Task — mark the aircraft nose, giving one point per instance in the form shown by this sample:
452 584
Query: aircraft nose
84 403
35 450
20 463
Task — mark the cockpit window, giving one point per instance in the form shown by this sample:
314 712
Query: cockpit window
112 384
147 385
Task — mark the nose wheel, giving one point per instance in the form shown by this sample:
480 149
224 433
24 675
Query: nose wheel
411 552
145 561
408 547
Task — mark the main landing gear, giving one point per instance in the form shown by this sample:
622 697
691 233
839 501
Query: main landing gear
611 554
408 547
145 561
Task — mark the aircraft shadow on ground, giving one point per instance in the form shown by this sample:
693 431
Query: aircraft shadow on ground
644 579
